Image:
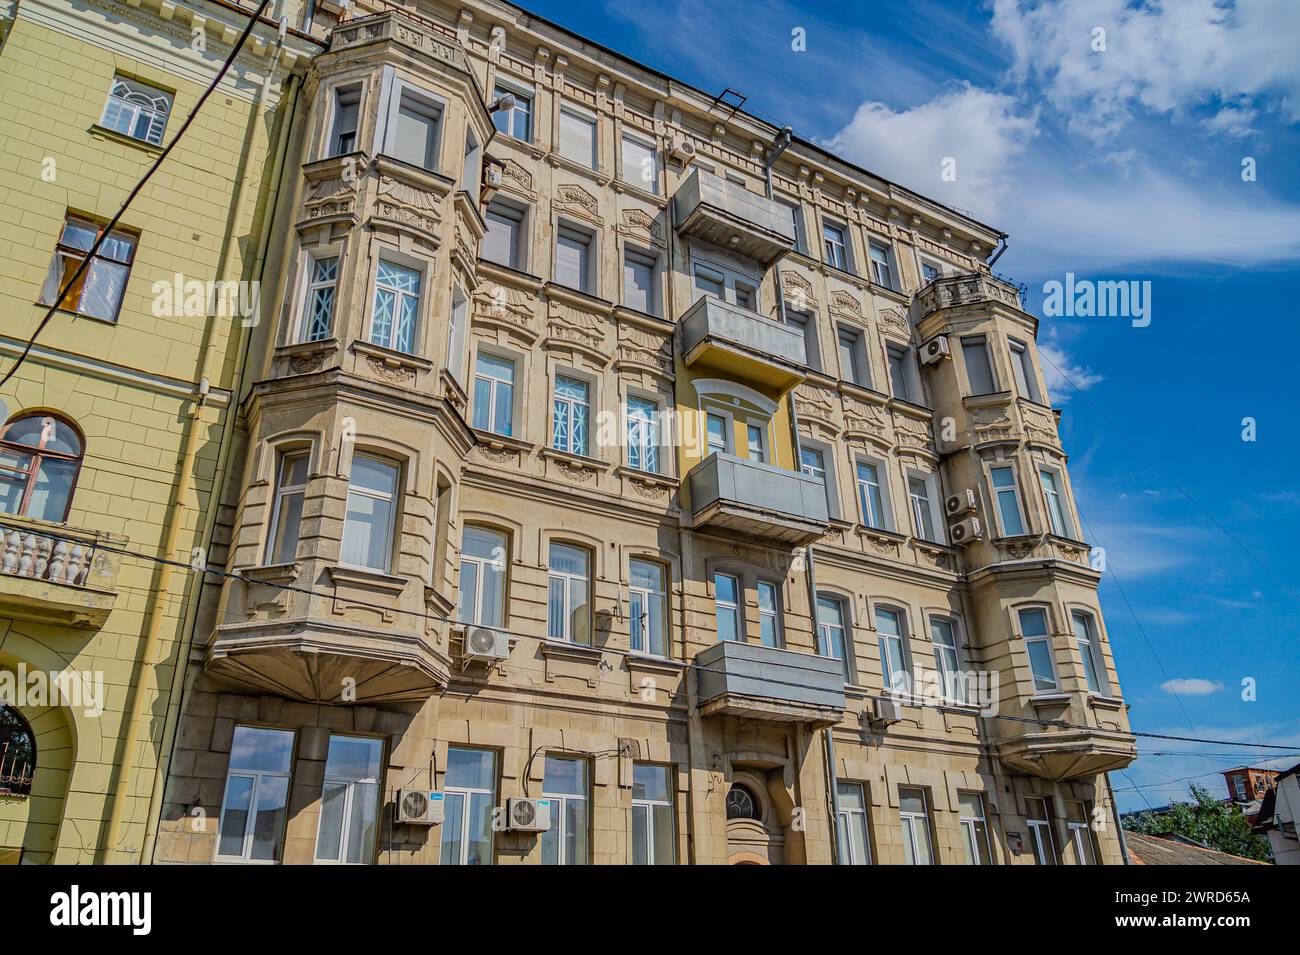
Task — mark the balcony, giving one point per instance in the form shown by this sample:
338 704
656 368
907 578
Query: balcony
709 207
758 500
742 344
763 683
972 288
57 574
1062 755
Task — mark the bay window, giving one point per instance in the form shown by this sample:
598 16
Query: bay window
370 514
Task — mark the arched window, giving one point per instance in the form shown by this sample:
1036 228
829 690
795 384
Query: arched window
40 456
741 803
17 753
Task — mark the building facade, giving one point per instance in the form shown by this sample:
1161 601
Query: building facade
116 423
610 450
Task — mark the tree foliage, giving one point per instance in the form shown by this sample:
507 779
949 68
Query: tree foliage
1219 825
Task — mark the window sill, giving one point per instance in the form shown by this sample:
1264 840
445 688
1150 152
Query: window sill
621 185
880 534
564 162
910 407
1049 699
367 578
1101 702
103 132
550 647
665 481
640 660
498 442
574 461
579 298
391 358
272 573
510 275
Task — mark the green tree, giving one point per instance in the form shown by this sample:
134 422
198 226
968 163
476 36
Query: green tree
1219 825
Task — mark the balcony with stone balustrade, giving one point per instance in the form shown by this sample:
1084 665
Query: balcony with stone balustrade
53 573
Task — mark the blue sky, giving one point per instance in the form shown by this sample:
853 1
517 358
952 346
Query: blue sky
1122 163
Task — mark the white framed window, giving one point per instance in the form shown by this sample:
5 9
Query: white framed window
349 801
397 306
726 601
505 241
469 796
1040 831
654 821
882 264
812 462
718 427
891 629
1080 833
286 513
947 659
648 605
871 495
832 632
568 603
1094 667
347 115
851 824
1022 367
516 122
1038 645
494 393
1008 499
970 808
914 814
371 514
640 289
853 357
930 270
726 284
979 370
642 434
564 786
570 415
575 253
796 217
769 614
922 502
640 164
902 374
413 132
251 828
1057 518
483 557
137 110
756 442
457 330
318 302
835 242
578 137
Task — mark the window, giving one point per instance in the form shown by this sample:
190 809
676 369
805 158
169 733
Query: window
741 803
930 271
901 374
918 494
1056 519
640 165
574 249
947 662
414 128
1040 831
755 437
851 824
17 753
726 598
483 555
349 802
853 357
870 498
769 614
97 293
40 458
257 790
578 137
796 216
832 633
347 111
371 514
1022 367
472 168
654 825
137 110
979 371
1089 651
648 605
565 788
836 243
915 818
1004 489
970 807
882 266
469 796
726 284
517 122
719 433
504 242
642 434
286 515
812 463
397 304
494 394
457 329
1080 833
318 303
893 654
571 412
639 282
1038 644
803 323
568 605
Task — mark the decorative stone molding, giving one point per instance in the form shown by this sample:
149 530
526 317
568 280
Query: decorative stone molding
576 201
799 292
639 224
815 402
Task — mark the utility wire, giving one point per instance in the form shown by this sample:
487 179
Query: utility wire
135 191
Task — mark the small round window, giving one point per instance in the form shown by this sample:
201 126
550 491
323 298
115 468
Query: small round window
741 803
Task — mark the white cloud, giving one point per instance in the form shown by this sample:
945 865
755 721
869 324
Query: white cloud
1193 686
1063 376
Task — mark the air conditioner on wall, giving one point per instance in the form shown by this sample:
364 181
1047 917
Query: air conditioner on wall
419 807
486 646
962 502
963 532
886 710
681 149
528 815
935 350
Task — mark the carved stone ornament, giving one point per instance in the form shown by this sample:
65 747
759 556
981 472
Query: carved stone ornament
578 201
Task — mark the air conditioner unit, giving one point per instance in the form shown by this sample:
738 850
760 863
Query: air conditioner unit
528 815
963 502
887 710
419 807
963 532
681 149
484 645
935 350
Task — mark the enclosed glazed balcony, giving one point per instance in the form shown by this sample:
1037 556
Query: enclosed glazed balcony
742 344
1062 755
763 683
759 500
728 215
57 574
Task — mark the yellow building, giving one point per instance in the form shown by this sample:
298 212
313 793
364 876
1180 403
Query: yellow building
117 424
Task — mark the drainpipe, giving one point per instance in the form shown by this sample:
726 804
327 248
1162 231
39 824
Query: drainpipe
997 253
1119 825
832 784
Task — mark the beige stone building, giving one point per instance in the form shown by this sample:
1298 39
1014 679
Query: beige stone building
611 452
